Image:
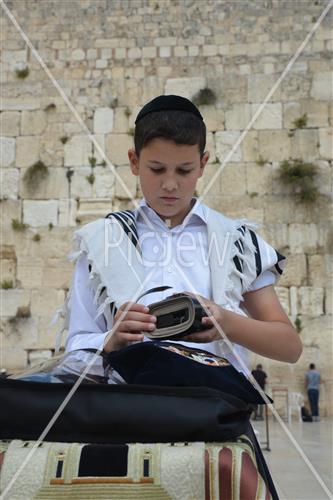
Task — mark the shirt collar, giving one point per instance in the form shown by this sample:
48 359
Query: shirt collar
196 213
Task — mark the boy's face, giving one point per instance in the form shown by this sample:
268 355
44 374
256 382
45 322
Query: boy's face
168 176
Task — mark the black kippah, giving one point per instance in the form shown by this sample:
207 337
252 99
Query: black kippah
168 103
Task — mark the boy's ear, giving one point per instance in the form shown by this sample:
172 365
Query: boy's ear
204 161
134 161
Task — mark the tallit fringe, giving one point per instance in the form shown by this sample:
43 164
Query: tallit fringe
95 283
247 259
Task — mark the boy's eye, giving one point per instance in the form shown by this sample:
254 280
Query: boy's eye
157 170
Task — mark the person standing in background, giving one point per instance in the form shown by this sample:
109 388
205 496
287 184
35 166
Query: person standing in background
261 377
312 381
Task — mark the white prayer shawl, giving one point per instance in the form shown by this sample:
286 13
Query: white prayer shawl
117 273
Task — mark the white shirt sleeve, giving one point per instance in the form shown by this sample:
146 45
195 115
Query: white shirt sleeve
84 330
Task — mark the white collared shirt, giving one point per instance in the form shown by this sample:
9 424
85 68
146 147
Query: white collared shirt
175 257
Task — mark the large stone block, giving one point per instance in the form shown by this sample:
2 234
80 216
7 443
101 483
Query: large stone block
322 86
92 209
258 179
57 274
21 332
80 186
125 178
213 117
311 300
238 116
38 356
67 212
14 358
305 144
224 144
8 270
326 143
45 301
7 148
320 270
250 146
33 122
295 273
53 185
12 300
233 179
20 103
270 116
103 120
121 124
117 146
186 87
259 86
104 185
27 150
307 238
9 183
316 112
274 145
10 123
78 150
40 213
29 272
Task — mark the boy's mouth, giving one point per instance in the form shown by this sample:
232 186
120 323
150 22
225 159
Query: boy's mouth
169 199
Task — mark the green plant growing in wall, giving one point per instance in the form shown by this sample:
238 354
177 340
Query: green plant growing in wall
300 176
64 139
22 312
131 131
22 72
50 226
90 178
6 284
261 161
102 164
36 237
127 111
92 161
301 122
19 226
50 107
35 174
204 97
298 324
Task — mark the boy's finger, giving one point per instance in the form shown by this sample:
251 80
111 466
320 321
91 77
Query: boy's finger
135 326
133 306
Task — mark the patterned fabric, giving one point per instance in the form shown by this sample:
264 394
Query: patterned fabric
180 471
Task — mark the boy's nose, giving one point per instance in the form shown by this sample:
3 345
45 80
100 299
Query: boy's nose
169 184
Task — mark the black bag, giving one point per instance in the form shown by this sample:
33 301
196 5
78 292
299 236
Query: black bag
101 413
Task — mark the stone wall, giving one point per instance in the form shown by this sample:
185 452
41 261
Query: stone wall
110 57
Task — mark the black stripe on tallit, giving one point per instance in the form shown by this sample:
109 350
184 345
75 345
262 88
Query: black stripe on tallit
279 258
129 232
257 254
130 222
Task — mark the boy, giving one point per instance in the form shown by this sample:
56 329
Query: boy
173 239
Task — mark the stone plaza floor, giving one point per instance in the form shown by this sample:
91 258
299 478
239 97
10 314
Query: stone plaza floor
292 477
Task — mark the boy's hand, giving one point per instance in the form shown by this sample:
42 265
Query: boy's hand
212 333
128 330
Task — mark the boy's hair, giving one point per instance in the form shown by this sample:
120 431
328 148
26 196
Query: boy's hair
182 127
312 366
